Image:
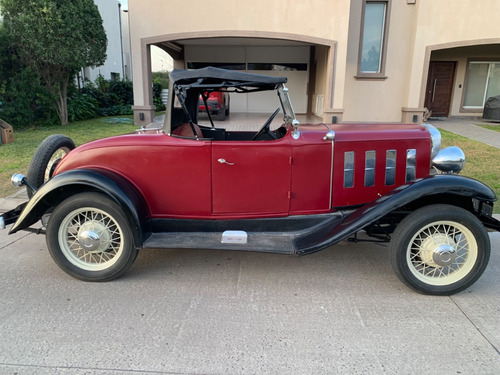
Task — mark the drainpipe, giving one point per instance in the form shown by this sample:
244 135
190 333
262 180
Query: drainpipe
121 37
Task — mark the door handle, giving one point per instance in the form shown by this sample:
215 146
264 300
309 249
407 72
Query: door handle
434 90
223 161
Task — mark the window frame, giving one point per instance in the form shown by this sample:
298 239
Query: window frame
383 55
474 109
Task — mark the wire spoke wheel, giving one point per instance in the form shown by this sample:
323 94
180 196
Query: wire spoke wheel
55 158
439 249
90 238
442 253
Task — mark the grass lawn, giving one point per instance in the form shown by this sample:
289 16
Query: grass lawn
491 127
15 157
482 160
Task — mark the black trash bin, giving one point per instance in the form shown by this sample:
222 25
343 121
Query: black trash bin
492 109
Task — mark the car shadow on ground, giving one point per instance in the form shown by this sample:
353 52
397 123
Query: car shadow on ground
357 265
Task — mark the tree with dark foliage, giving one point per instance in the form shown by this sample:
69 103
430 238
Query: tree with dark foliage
56 38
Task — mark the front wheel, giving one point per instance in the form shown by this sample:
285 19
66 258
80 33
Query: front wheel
440 250
89 238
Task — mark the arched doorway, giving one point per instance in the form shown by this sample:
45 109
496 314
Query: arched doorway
307 62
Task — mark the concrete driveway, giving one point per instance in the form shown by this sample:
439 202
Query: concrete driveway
340 311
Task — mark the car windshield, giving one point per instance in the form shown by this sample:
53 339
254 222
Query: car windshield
193 88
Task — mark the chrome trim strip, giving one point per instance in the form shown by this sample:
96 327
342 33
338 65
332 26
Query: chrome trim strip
331 179
330 136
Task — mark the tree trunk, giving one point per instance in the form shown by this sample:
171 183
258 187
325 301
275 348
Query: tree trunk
62 103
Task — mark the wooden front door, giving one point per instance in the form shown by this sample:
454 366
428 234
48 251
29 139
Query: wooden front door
439 87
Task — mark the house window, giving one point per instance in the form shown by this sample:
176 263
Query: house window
483 81
278 66
221 65
373 39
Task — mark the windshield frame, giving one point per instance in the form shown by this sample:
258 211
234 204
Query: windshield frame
286 104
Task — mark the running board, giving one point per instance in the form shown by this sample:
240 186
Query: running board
270 242
288 235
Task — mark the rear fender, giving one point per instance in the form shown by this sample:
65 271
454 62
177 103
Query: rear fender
431 186
77 181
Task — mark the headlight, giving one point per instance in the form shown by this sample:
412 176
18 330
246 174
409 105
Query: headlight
449 160
17 180
435 139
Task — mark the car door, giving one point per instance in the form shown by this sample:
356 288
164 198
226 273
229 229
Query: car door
251 177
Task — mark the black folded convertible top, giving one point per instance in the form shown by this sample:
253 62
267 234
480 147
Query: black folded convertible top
211 77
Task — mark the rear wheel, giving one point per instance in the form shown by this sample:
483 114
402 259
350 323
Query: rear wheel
439 249
46 157
89 237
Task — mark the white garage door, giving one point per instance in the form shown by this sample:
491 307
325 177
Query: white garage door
288 61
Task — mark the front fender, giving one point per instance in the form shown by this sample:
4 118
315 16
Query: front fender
403 195
76 181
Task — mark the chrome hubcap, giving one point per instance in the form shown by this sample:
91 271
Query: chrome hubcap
93 237
444 255
438 250
89 240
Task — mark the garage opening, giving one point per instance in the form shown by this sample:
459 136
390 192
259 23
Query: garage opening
291 61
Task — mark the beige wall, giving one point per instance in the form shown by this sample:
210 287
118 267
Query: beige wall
380 100
418 31
447 24
277 19
280 16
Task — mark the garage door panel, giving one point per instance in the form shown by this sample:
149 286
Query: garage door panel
277 57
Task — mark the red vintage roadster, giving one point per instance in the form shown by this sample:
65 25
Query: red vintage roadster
295 189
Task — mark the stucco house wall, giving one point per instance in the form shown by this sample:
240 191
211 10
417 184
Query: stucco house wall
115 65
417 34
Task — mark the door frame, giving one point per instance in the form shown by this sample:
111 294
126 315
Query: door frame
430 87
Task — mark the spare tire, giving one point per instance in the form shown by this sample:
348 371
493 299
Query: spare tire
46 157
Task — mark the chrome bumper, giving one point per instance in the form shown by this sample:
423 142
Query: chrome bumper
10 217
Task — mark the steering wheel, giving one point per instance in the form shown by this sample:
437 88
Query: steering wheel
266 127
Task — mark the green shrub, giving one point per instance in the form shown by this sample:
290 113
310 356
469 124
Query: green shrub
161 78
116 110
24 101
112 97
82 107
157 97
123 90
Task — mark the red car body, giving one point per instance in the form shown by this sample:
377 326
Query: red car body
299 182
296 189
